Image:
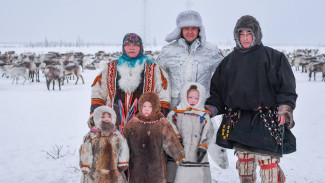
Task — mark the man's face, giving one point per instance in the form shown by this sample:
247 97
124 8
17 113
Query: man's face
190 33
132 50
246 38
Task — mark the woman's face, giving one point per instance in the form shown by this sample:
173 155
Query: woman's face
146 108
132 50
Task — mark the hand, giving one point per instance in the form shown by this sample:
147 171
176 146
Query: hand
85 170
104 171
180 161
281 119
200 154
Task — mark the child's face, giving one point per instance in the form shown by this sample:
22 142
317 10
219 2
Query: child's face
106 118
146 108
193 97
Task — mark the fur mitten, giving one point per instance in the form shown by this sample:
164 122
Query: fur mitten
288 112
91 122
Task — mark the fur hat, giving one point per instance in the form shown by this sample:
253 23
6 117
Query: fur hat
153 98
202 97
184 19
135 39
250 23
98 113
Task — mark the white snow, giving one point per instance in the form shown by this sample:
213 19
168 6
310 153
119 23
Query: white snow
34 120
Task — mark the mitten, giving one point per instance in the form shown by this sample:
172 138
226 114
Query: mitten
288 112
91 122
200 154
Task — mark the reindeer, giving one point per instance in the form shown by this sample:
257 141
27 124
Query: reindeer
52 73
16 72
315 67
71 68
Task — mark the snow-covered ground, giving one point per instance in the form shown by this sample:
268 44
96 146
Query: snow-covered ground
35 121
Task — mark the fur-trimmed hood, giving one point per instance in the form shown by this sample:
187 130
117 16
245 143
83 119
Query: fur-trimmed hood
202 97
98 112
153 98
250 23
184 19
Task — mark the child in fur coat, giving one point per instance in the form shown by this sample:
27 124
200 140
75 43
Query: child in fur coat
104 155
149 136
194 129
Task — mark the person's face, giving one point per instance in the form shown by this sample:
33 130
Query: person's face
193 97
146 108
246 38
190 33
132 50
106 118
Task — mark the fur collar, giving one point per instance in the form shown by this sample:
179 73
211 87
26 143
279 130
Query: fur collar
130 77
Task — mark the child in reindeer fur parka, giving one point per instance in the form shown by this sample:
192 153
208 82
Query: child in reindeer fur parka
104 155
195 130
149 136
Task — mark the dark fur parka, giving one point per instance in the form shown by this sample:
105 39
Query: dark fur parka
148 139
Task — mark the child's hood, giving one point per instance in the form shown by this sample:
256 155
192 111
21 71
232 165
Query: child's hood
202 97
98 113
153 98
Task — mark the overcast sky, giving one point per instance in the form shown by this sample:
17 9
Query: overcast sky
288 22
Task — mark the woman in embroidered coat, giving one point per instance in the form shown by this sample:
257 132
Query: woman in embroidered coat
123 81
149 136
194 128
104 155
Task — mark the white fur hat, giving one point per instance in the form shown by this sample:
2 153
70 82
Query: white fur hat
98 113
184 19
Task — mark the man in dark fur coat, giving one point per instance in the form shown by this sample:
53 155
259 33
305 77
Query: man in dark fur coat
255 89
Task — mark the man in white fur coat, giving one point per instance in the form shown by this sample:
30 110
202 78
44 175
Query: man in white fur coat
189 58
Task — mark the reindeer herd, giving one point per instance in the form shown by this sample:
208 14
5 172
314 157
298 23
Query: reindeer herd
309 60
55 67
63 67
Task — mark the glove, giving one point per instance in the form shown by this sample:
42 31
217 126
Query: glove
200 154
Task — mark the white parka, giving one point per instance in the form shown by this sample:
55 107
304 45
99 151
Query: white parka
194 126
184 64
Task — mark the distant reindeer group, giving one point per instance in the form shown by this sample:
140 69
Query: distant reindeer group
309 60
